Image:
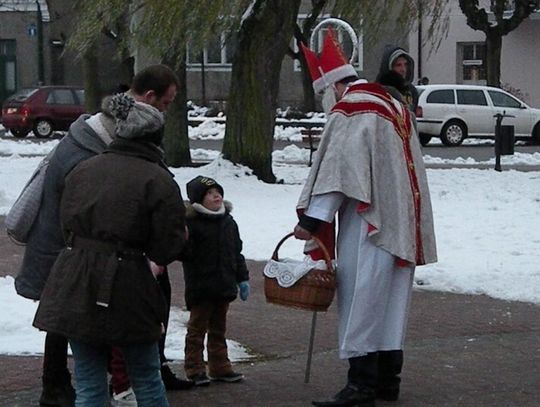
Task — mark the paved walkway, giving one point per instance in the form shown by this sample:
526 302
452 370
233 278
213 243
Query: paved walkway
461 351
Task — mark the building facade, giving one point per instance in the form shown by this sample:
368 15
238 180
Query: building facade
460 57
22 50
34 51
209 72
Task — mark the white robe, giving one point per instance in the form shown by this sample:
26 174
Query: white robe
370 152
373 293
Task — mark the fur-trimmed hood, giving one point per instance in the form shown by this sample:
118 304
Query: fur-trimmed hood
192 209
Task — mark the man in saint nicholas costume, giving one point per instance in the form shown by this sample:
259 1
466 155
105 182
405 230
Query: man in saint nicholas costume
369 171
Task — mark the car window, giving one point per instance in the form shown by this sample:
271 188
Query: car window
80 95
61 97
23 94
500 99
471 97
441 96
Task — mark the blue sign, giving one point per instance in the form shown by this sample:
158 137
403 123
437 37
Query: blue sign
32 30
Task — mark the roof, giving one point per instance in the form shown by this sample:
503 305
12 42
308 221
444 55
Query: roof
455 86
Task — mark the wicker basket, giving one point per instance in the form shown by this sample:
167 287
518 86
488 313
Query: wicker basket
314 291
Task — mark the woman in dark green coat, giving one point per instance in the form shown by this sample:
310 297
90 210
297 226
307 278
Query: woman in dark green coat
118 210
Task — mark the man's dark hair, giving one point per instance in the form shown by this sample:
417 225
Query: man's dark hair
348 79
154 77
121 88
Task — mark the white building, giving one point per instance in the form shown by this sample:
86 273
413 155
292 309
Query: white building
460 57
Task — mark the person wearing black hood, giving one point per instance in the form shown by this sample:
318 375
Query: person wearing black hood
119 210
397 60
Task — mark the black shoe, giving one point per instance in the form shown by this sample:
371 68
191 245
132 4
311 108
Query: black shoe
172 382
200 379
231 377
387 393
57 395
351 395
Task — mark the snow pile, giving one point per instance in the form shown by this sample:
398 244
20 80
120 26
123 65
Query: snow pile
288 133
291 154
516 159
26 147
19 337
208 130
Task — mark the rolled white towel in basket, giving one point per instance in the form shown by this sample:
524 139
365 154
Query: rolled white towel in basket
289 271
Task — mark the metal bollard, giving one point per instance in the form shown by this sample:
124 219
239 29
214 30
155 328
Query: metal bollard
504 139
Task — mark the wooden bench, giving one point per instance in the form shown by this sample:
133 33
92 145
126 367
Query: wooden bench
312 136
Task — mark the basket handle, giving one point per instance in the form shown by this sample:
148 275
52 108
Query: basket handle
327 257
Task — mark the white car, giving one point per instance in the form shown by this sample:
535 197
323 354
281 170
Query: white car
455 112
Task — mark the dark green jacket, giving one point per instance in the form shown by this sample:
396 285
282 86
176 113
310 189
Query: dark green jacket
118 210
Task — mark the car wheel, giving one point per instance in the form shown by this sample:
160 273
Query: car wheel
453 133
19 133
43 128
424 139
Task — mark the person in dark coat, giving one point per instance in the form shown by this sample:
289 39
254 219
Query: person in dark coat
396 59
118 210
213 269
87 136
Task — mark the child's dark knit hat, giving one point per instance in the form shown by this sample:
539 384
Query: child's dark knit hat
197 187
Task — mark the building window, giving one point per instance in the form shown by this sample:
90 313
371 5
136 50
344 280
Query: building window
343 38
8 47
473 63
8 68
217 54
10 79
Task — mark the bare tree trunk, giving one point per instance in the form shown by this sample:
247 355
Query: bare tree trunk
493 58
127 62
92 91
477 19
263 42
176 139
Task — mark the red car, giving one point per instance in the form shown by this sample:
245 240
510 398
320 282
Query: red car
43 110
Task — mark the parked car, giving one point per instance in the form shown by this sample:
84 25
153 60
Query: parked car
455 112
42 109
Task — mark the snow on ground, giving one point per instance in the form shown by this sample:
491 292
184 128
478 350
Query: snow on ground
210 129
18 337
26 147
207 130
515 159
290 154
487 226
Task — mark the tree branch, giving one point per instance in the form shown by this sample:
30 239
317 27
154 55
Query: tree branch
477 18
523 9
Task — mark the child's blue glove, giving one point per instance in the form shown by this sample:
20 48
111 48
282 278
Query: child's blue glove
244 290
